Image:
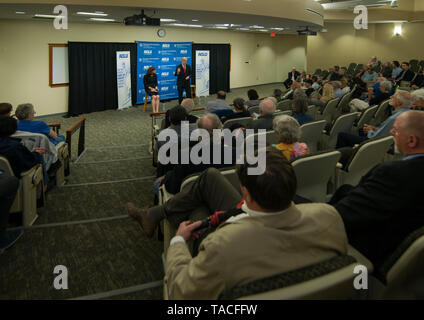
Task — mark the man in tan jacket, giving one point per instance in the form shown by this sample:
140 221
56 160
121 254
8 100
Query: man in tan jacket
270 236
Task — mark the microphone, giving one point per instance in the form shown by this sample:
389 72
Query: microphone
219 217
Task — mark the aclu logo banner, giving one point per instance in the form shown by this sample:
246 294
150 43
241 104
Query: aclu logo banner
123 73
202 73
165 57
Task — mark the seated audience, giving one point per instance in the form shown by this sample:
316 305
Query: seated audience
300 107
25 114
418 82
8 188
309 90
187 104
266 112
370 76
333 75
302 77
344 86
292 76
173 178
240 110
373 63
264 237
20 158
277 95
418 98
327 95
406 74
383 93
386 205
337 87
288 132
386 70
253 98
218 104
289 94
401 101
5 109
396 70
315 83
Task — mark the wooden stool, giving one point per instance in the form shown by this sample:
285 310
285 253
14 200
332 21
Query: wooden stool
193 93
145 103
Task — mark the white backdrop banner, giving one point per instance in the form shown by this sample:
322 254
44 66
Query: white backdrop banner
202 73
123 71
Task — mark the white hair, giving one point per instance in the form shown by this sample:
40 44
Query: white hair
405 97
287 129
418 95
187 104
386 84
267 106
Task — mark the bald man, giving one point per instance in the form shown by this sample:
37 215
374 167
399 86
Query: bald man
387 204
266 111
183 74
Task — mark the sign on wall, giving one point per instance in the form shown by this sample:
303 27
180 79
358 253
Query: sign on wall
202 73
123 72
165 57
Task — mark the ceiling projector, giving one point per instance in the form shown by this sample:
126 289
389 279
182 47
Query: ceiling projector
141 20
306 32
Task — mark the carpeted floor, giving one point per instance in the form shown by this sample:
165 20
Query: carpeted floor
103 255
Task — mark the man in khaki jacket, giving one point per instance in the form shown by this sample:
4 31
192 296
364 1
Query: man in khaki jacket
270 236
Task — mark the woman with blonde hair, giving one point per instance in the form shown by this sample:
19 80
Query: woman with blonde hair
327 93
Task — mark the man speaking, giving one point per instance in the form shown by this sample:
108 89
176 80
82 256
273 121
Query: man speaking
183 74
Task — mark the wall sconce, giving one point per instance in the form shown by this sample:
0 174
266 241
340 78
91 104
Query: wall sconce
398 30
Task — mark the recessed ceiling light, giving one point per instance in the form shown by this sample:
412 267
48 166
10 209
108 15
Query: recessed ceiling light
102 19
257 27
48 16
186 25
194 20
245 29
167 20
221 27
97 13
20 12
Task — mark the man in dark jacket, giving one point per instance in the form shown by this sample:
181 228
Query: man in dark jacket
266 112
386 205
291 76
183 74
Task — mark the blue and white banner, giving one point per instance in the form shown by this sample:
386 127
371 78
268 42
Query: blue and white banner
165 57
202 73
123 71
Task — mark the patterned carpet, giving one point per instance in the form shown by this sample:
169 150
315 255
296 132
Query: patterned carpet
104 255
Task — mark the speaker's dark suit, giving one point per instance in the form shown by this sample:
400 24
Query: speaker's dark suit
182 83
383 208
289 80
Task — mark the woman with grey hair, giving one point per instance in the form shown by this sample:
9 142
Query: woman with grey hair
300 107
288 132
25 114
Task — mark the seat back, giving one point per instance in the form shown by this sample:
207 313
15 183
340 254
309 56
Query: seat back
351 68
366 116
329 112
329 279
368 155
381 114
343 106
284 105
280 113
344 123
254 109
312 110
246 122
26 197
403 270
230 174
36 140
270 136
313 173
311 133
